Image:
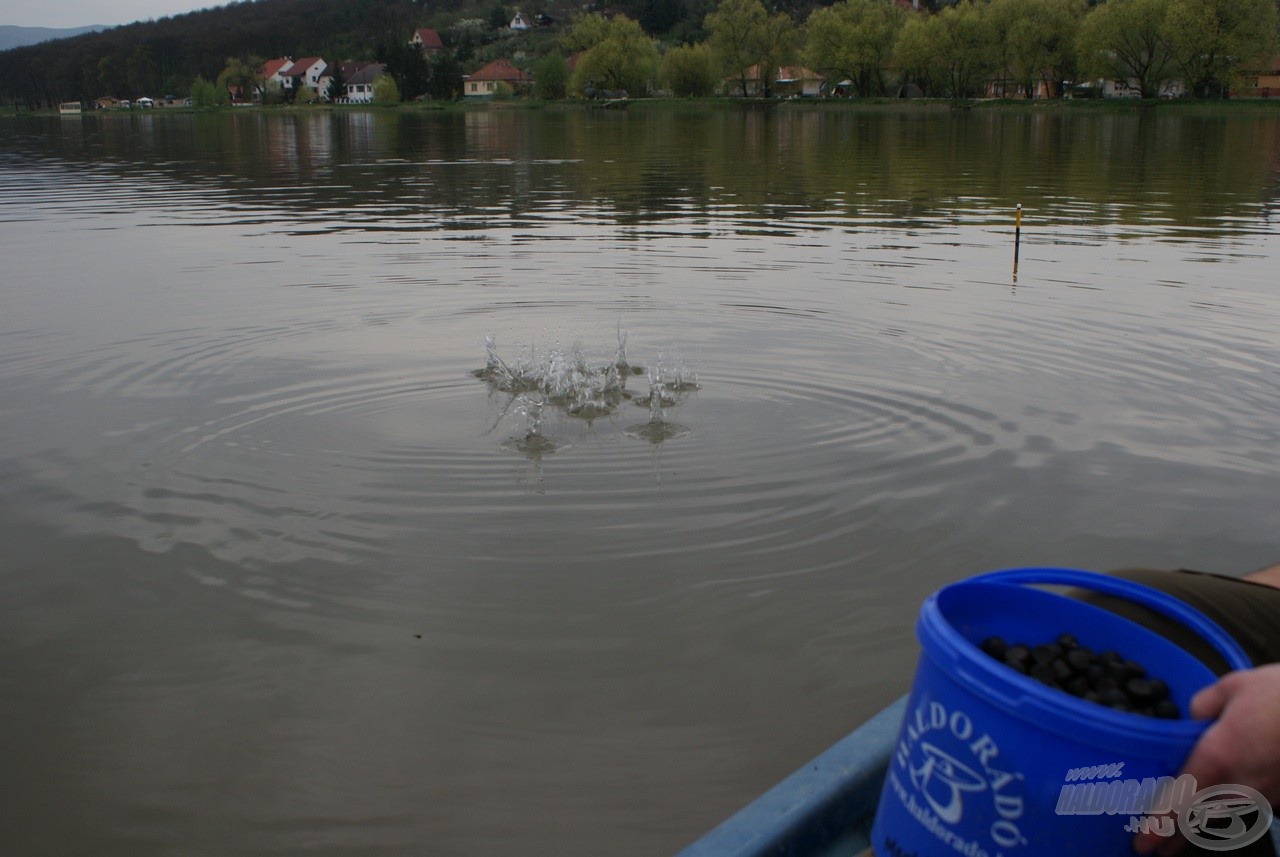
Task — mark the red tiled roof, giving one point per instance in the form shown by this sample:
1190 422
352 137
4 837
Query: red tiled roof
300 67
430 38
270 67
500 70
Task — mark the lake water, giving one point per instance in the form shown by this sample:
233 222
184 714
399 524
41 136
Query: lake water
283 574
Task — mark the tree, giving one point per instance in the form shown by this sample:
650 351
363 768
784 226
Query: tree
407 64
776 45
337 88
550 77
242 74
853 40
735 28
1034 40
1209 39
108 76
141 70
964 44
619 55
498 17
1125 39
915 51
690 71
385 90
659 16
205 94
747 39
445 81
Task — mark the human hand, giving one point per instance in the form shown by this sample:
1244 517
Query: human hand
1242 747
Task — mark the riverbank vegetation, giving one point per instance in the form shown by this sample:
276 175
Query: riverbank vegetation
687 48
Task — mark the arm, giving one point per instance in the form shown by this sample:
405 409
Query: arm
1269 575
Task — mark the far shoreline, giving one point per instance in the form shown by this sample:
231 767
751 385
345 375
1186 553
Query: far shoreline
1181 106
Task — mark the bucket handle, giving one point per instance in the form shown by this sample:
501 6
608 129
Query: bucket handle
1156 600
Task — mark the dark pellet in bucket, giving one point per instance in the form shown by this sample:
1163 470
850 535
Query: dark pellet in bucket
1106 678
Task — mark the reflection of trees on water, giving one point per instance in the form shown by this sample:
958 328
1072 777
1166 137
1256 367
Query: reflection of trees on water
511 167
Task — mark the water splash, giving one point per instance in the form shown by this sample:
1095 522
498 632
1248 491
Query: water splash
532 443
666 385
568 382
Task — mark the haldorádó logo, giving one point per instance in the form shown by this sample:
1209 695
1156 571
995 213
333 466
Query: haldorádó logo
949 762
1217 818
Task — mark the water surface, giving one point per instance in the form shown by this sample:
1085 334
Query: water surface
282 574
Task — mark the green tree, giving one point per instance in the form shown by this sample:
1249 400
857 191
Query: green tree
1034 40
734 29
1125 40
1210 39
778 44
141 70
304 95
619 55
109 77
385 90
337 88
748 39
498 17
205 94
915 52
690 71
965 48
853 40
243 74
445 80
659 16
550 77
587 31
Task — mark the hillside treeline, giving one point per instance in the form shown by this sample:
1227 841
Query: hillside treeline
165 56
1029 48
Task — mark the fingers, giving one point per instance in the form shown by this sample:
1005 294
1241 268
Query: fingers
1209 702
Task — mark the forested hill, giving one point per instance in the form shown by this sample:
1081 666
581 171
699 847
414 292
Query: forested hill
165 55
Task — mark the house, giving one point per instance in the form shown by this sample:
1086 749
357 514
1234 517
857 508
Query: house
304 72
483 82
112 103
790 82
356 78
271 70
1116 88
521 22
1259 82
172 100
427 40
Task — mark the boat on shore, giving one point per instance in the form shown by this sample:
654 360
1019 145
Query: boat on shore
824 809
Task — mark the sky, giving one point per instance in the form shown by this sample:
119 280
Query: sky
82 13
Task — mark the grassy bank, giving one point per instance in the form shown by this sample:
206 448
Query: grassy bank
1216 107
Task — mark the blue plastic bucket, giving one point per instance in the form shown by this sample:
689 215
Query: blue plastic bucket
984 753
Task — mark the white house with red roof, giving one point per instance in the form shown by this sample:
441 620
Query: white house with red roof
270 70
427 39
304 72
483 82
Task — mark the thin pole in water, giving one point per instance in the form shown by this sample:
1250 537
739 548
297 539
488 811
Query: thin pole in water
1017 239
